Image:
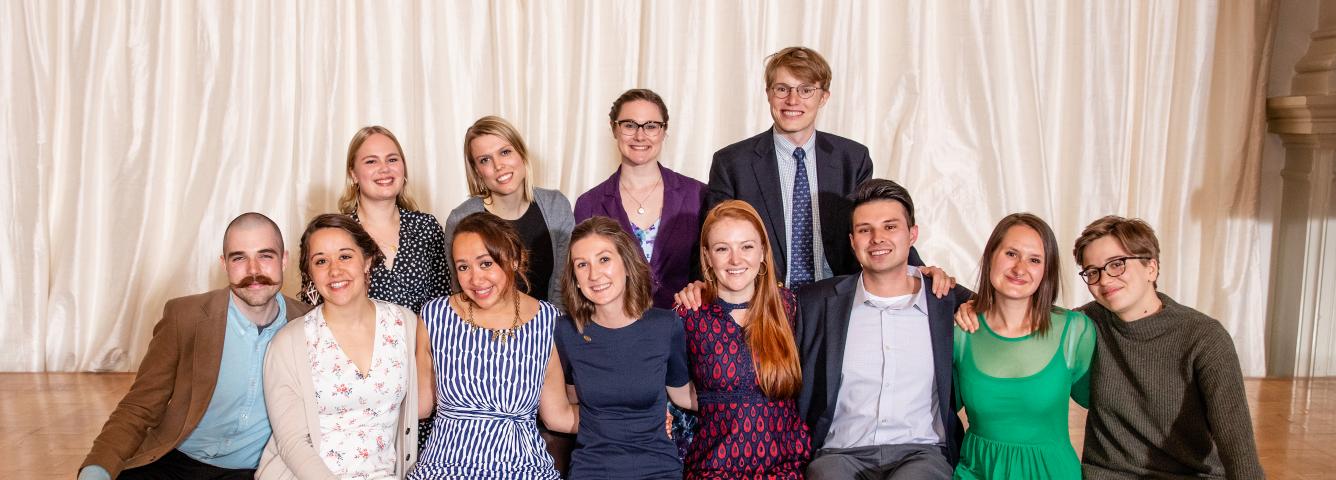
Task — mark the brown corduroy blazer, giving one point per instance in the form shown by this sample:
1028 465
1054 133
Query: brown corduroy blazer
174 384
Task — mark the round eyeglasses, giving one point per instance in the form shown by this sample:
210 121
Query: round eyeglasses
628 128
782 90
1113 268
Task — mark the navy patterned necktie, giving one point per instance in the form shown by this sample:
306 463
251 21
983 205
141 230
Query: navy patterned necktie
800 258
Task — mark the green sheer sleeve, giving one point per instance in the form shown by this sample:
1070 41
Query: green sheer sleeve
1079 348
960 339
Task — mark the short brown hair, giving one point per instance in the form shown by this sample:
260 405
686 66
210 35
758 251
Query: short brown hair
348 201
875 189
1134 234
803 63
633 95
636 299
1041 303
340 222
494 125
502 243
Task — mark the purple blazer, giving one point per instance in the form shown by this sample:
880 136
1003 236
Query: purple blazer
676 258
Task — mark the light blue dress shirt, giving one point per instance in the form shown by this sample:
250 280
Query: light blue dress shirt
236 425
888 385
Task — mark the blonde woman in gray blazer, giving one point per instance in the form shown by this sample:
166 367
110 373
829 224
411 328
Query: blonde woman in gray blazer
499 176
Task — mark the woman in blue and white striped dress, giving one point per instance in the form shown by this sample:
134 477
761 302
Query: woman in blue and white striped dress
490 348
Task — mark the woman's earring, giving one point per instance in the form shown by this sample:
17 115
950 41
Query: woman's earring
312 296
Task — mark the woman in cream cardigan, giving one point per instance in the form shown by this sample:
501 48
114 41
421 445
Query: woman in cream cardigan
342 383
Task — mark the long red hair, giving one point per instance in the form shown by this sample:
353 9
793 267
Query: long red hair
768 331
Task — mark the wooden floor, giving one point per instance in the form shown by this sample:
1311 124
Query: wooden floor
48 422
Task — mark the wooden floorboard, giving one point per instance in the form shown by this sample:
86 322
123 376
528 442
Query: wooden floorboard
48 422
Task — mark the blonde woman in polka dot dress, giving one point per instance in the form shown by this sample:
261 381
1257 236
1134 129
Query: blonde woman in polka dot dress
415 269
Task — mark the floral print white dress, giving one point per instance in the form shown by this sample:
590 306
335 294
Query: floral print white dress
358 412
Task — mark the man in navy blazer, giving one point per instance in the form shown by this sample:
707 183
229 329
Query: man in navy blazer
876 354
765 171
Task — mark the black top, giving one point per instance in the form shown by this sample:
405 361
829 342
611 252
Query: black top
619 376
420 271
536 237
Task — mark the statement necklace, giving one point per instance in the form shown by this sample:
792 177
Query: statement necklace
498 334
641 202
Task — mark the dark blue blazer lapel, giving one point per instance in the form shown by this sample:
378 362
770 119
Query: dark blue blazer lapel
836 323
941 327
830 166
771 205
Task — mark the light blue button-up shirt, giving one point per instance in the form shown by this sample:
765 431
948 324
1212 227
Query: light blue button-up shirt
888 392
236 425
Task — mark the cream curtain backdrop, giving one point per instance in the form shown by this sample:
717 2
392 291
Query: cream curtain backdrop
134 130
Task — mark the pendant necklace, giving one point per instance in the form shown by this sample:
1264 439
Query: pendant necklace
640 203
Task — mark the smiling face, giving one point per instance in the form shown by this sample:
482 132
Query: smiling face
1129 295
378 169
599 270
498 164
881 236
1017 266
795 117
734 254
480 275
337 266
253 257
639 148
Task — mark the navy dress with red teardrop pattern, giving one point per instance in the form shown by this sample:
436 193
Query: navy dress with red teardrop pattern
742 434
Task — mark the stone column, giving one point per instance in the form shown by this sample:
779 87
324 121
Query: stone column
1301 337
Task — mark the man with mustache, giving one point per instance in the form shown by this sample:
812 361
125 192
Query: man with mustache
185 416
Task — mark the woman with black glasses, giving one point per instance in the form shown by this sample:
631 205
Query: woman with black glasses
659 208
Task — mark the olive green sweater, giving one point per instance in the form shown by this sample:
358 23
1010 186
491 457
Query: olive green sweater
1166 399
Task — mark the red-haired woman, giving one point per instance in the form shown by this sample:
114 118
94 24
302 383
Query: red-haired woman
742 356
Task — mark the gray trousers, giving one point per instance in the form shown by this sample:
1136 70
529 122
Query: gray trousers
880 462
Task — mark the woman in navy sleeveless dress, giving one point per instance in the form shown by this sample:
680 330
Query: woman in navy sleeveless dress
621 359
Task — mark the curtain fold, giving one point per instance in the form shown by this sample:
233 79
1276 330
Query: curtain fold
133 131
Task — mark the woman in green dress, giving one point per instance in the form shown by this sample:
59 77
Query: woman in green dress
1013 376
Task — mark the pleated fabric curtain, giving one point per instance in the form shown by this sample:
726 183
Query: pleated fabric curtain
133 131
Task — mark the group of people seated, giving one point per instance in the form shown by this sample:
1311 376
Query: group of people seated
774 322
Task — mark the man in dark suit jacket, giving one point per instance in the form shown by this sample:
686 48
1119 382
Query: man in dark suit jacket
185 416
766 172
876 354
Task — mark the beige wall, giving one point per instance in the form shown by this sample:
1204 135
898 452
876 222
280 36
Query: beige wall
1296 20
1294 23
